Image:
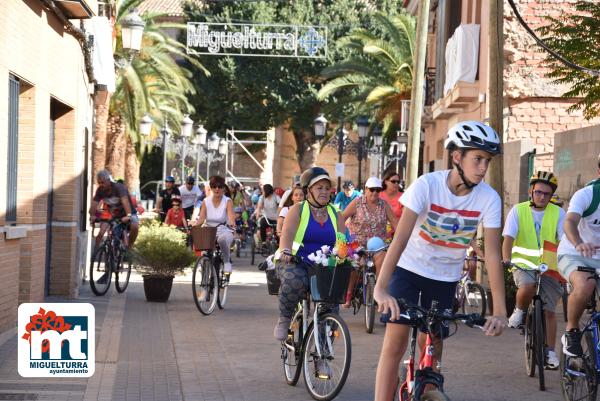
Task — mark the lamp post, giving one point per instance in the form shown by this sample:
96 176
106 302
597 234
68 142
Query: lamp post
378 142
363 127
186 132
199 143
213 147
132 32
340 141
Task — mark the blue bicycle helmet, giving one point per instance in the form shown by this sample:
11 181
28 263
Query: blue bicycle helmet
255 198
375 244
170 179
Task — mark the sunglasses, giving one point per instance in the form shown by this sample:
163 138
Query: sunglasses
217 187
395 181
378 190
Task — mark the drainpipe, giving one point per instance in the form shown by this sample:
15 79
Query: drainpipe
78 34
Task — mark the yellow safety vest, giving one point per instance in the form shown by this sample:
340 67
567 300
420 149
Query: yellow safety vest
526 252
304 219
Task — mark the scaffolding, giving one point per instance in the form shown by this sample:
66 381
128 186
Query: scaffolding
233 140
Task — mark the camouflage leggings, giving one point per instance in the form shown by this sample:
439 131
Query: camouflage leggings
294 285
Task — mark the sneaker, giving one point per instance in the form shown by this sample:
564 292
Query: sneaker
227 268
551 361
516 319
281 328
323 369
571 342
103 279
202 294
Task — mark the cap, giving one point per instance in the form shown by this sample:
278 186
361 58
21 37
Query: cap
373 182
170 179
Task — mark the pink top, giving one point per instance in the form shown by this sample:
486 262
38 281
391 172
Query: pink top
367 223
393 202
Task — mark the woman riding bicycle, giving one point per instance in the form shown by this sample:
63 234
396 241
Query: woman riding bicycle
368 216
307 227
217 210
425 260
294 195
266 210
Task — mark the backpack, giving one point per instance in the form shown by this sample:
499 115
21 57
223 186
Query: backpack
595 198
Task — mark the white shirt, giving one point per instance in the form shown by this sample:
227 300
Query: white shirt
511 226
284 211
270 206
445 225
588 227
216 215
188 197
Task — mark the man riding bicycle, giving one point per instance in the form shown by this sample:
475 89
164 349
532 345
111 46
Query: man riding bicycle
531 235
578 247
116 197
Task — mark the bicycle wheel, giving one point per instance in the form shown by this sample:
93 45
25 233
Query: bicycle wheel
205 285
100 270
252 249
238 245
529 342
122 273
291 350
474 300
540 341
223 286
325 374
369 304
434 395
579 380
459 298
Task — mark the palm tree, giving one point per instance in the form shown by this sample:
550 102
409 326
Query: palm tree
152 82
377 75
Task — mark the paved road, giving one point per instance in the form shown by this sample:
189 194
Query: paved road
154 351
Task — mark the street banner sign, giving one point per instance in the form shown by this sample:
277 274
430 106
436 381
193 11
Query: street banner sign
339 169
256 40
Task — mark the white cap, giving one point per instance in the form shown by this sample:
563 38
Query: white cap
373 182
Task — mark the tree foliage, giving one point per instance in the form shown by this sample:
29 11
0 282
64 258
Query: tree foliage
152 82
577 38
377 75
256 93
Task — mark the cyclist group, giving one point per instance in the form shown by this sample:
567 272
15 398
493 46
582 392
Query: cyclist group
433 224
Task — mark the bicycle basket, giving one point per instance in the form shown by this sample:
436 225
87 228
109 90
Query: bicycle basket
204 237
329 284
273 282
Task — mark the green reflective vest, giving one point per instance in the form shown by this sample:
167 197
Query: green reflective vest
526 252
304 219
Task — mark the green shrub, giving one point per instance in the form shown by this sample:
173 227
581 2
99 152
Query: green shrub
161 250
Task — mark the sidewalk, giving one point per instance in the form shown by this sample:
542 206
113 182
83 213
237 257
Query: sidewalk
169 351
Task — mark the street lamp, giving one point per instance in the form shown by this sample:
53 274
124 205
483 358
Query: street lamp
378 142
363 127
199 143
187 125
320 126
132 30
145 125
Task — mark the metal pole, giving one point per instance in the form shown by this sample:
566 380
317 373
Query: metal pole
340 150
416 109
197 162
360 155
183 160
164 146
208 157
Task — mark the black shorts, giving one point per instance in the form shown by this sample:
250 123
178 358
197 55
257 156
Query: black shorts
407 285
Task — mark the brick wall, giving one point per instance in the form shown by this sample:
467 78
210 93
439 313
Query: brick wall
49 63
539 119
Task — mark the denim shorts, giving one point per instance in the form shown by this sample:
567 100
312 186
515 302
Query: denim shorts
408 285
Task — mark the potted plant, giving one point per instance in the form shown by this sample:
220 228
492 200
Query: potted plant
160 252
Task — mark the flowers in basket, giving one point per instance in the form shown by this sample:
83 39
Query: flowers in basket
342 254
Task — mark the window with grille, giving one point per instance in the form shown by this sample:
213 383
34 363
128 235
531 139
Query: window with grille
13 148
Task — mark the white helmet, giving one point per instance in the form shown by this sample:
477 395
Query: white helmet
473 135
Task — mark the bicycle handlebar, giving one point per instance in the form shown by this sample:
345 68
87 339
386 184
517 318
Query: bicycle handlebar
419 315
541 268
